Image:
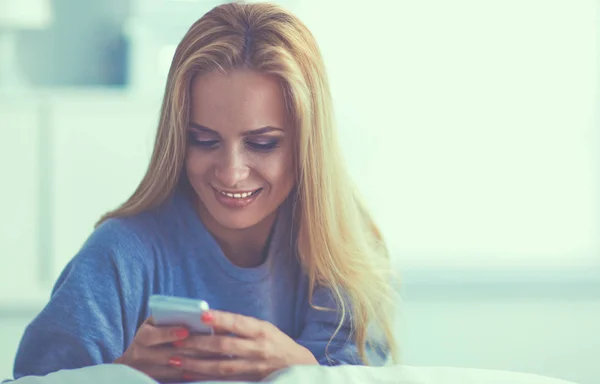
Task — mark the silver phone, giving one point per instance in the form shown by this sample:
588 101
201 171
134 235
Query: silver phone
180 312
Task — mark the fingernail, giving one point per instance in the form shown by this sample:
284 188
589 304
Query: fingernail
207 317
181 333
178 343
175 361
187 376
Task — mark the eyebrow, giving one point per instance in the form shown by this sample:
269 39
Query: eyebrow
258 131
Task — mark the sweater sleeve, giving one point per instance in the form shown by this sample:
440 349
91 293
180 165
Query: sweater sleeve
320 325
89 319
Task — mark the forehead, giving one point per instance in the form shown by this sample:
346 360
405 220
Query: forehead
238 100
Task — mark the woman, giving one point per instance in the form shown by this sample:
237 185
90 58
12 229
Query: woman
245 204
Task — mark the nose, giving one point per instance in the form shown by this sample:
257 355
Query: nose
231 168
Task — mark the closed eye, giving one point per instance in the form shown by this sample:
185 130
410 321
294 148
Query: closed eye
201 143
263 147
255 144
205 143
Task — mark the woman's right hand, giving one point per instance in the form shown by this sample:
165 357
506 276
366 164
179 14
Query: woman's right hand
152 352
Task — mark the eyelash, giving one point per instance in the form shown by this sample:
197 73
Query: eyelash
266 147
212 144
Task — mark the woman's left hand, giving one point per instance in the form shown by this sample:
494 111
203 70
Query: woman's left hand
258 349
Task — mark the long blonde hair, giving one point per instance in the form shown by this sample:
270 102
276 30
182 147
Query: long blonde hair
339 246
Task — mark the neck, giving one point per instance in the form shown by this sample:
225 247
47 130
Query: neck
246 247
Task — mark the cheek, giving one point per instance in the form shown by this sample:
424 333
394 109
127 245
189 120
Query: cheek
279 172
196 165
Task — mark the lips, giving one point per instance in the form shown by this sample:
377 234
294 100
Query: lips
239 194
236 199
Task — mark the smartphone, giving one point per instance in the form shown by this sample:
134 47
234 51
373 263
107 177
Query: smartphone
179 312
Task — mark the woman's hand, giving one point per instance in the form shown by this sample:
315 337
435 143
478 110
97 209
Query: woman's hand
153 351
257 348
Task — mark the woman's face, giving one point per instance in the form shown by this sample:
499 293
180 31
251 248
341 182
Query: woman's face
239 157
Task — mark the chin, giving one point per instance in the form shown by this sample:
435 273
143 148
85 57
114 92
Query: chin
235 223
233 220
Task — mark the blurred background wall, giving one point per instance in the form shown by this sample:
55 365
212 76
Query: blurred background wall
471 127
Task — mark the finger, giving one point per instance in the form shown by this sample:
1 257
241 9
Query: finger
222 345
240 325
227 368
220 332
152 355
149 335
198 354
191 376
162 373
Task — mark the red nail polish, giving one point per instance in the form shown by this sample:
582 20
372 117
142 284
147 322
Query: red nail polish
178 343
182 333
207 317
175 361
187 376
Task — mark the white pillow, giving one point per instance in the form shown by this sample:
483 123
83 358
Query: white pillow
116 373
406 375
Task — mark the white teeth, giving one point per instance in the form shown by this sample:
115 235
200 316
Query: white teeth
237 195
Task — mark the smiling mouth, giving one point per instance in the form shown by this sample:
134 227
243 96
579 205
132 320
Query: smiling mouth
239 195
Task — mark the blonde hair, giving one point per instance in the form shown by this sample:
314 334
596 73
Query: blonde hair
339 246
